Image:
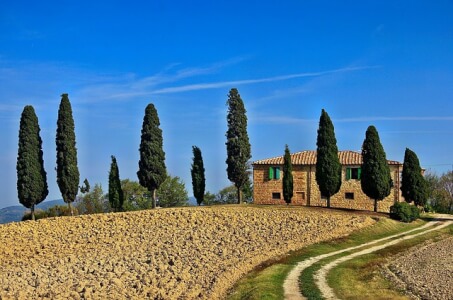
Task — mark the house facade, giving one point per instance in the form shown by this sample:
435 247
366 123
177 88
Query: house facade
267 182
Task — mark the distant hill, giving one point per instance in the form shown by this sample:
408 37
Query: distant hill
16 212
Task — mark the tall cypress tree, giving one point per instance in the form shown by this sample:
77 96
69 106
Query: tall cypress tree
238 145
67 170
152 171
287 181
31 176
375 178
328 167
198 176
116 195
413 185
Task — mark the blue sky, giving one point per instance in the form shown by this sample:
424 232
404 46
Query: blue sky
382 63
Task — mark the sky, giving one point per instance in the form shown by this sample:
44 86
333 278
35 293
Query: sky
382 63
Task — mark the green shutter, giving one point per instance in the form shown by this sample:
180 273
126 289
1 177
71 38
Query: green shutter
359 173
277 173
348 173
271 173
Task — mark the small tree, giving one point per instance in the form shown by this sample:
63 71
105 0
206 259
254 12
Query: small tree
172 192
328 167
198 177
152 171
375 180
136 197
67 170
31 176
287 176
238 145
413 185
93 202
85 188
116 196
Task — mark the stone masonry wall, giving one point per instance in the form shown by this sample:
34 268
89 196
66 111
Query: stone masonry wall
306 191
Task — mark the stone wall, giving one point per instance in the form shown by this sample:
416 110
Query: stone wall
306 191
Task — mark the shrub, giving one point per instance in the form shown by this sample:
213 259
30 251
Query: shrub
404 212
54 211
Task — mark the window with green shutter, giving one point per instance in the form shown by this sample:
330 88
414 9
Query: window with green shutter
274 173
271 173
353 173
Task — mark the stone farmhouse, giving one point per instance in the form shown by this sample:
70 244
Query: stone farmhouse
267 182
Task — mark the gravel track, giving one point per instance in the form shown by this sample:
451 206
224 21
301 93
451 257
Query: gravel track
181 253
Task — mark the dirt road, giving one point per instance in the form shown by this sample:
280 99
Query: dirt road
291 284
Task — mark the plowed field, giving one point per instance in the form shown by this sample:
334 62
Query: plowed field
179 253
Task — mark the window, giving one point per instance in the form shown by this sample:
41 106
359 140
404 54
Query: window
353 173
276 196
349 196
274 173
300 195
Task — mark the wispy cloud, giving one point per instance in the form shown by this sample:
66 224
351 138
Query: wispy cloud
214 85
399 119
291 120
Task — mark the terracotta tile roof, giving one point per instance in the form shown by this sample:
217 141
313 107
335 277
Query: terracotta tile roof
309 158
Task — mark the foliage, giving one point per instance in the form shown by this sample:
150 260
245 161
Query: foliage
328 167
93 202
238 145
116 196
247 191
198 176
136 197
172 192
85 188
209 198
413 185
67 170
226 195
152 171
54 211
375 180
31 176
440 192
404 212
288 184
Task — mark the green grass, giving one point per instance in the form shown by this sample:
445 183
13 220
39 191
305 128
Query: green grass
362 276
267 282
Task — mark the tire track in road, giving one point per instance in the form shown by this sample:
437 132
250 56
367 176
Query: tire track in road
291 283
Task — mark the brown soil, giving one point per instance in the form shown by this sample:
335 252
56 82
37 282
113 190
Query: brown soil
426 271
180 253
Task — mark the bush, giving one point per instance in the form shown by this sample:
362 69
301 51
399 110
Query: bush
54 211
404 212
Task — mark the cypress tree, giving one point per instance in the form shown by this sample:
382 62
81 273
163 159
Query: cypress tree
31 176
328 167
198 177
152 171
238 145
413 185
375 180
67 169
288 184
116 195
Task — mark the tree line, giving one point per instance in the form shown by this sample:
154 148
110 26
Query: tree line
32 178
376 181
